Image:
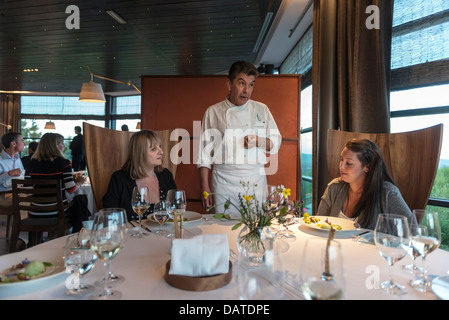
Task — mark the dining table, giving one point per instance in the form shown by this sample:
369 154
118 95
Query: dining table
142 262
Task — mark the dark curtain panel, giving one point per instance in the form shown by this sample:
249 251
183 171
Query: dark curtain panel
351 74
10 112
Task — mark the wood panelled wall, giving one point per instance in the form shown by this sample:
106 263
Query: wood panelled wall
170 102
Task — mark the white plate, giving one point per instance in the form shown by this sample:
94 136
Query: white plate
189 215
440 287
346 224
45 255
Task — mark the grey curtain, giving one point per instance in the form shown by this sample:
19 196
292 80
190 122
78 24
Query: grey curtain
9 112
350 74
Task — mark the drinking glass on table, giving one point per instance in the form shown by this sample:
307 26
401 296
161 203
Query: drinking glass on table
140 205
392 239
322 275
415 230
178 202
107 239
428 241
162 212
79 260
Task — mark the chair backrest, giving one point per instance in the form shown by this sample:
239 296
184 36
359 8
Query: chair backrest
26 196
106 151
411 157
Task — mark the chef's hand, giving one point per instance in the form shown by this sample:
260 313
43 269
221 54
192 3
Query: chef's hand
250 141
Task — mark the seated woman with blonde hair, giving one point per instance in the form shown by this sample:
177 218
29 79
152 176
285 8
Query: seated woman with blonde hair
364 189
142 168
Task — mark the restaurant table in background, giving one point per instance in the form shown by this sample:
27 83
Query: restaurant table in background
86 188
142 262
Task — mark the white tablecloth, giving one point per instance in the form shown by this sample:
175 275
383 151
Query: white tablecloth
142 263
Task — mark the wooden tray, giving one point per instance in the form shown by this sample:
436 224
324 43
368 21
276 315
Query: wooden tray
197 283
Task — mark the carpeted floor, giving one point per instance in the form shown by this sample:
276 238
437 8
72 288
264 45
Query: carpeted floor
4 243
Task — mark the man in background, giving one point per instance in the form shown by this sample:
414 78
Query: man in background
32 146
10 163
77 147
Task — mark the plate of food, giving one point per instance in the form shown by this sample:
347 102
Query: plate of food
29 269
188 217
325 223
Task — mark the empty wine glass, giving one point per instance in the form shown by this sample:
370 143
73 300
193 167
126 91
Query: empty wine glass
140 206
392 239
79 260
162 212
322 275
107 239
177 202
261 281
415 229
425 243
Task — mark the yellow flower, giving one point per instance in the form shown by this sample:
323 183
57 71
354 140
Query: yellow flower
247 198
205 194
287 192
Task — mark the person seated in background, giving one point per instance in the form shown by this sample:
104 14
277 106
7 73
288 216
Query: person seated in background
10 163
365 187
32 146
48 162
142 168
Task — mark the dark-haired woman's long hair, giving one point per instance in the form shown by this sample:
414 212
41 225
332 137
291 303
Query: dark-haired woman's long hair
370 155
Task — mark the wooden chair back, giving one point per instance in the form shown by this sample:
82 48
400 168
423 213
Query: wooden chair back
411 157
106 151
26 197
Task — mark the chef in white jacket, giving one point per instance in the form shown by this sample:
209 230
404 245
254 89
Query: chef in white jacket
236 136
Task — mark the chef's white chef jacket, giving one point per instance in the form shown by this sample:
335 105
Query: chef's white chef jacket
222 149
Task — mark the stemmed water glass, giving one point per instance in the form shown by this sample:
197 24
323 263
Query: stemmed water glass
425 243
178 202
162 212
107 239
140 205
415 230
79 259
392 239
322 275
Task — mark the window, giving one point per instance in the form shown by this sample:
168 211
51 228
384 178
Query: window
299 61
419 99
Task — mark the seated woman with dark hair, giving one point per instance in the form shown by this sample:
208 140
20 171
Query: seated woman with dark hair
143 168
364 189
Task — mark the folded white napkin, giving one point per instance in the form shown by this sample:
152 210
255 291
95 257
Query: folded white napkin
202 255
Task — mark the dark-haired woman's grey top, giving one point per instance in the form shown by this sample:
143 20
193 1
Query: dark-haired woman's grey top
335 194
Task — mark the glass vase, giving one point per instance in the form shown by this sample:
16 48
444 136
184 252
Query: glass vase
253 244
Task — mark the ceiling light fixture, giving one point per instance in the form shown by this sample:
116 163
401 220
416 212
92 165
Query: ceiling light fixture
116 16
93 92
50 125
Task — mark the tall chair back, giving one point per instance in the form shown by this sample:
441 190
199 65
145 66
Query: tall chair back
411 157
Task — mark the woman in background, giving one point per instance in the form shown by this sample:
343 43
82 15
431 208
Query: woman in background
364 189
48 162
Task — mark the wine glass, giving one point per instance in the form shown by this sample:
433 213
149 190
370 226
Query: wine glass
162 212
177 201
261 281
415 230
322 275
392 239
140 206
107 239
114 280
426 243
79 260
